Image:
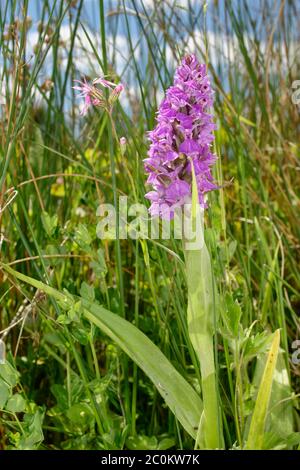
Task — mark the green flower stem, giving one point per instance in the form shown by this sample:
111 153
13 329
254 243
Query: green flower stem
201 315
210 399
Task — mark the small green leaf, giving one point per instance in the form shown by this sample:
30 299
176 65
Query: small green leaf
81 415
82 237
49 223
87 292
256 344
33 433
231 314
9 374
166 443
99 265
80 334
5 392
60 393
63 319
141 442
51 252
16 403
75 312
65 301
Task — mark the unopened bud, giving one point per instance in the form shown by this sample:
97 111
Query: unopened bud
115 93
123 142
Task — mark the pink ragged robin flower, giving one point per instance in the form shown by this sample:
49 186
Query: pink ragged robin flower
94 96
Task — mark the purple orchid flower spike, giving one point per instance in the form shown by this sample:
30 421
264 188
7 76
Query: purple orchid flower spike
181 138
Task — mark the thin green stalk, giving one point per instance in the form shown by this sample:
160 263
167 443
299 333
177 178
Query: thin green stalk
101 423
201 317
201 334
136 321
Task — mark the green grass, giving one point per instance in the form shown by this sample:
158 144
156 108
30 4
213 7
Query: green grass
67 383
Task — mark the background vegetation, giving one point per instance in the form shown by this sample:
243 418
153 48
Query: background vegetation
66 384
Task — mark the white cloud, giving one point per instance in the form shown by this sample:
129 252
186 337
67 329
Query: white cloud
222 49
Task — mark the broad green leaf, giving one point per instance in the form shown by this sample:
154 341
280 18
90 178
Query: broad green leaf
258 420
281 404
178 394
280 421
199 280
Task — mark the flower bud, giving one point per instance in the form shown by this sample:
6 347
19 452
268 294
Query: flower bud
123 143
115 93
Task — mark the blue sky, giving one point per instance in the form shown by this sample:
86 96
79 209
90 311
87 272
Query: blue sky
187 9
